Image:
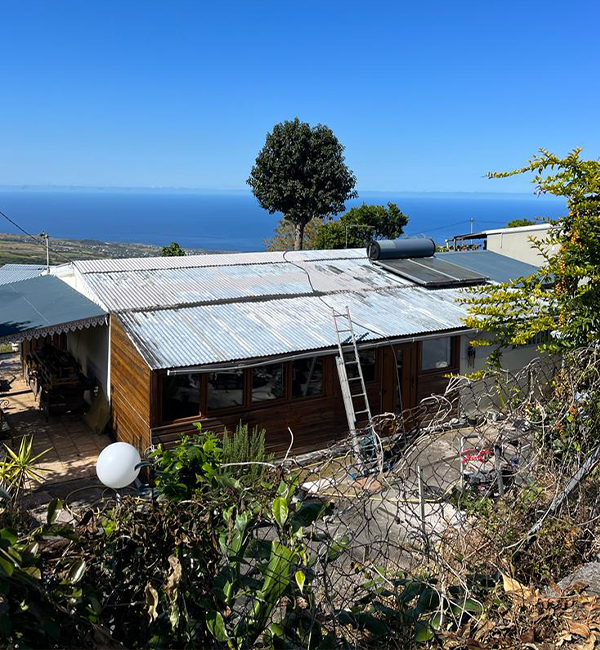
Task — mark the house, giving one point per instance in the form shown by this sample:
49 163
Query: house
224 338
16 272
512 242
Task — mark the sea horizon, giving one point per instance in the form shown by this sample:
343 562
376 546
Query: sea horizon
232 219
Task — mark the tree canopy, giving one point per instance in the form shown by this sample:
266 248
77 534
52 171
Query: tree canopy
518 223
360 225
301 173
563 296
172 250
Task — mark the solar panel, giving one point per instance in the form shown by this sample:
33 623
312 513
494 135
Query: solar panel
432 272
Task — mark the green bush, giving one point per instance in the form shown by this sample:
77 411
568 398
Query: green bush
246 447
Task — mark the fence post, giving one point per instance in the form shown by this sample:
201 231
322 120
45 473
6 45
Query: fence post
422 509
498 467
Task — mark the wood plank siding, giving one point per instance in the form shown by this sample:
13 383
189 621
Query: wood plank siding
130 389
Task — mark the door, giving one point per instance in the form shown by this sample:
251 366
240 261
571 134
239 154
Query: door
399 378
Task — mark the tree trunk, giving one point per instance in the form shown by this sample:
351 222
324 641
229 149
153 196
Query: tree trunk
299 240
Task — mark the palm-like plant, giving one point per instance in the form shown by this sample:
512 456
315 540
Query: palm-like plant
19 467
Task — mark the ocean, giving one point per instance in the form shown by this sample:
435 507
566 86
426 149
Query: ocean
233 221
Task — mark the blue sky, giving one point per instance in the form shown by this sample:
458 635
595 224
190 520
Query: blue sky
426 96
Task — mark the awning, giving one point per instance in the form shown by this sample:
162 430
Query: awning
42 306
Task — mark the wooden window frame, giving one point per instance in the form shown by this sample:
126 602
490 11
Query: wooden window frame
454 356
248 404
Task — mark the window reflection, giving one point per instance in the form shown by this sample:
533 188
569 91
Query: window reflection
268 382
225 389
367 363
435 353
307 377
180 396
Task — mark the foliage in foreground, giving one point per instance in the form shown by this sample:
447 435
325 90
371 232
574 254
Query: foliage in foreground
563 296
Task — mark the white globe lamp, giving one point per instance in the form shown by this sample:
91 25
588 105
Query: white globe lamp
116 465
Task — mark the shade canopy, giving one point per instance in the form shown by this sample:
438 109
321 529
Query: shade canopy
44 305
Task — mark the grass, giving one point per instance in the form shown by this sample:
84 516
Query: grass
5 347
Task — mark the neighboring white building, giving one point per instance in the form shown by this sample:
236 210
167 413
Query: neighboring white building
512 242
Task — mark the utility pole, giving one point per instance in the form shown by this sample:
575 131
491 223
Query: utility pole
44 236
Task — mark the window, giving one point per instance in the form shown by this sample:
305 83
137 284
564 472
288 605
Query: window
367 363
307 377
225 389
268 382
180 396
436 353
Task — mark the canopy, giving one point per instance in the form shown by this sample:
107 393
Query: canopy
44 305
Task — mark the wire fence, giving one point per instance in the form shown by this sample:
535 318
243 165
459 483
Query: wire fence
450 496
490 486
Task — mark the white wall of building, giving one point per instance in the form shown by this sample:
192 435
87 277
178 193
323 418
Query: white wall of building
516 242
476 401
90 346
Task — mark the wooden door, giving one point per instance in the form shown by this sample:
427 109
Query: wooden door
399 378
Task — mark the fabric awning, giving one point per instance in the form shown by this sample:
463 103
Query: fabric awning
44 305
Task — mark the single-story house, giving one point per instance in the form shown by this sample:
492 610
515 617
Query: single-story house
16 272
512 242
224 338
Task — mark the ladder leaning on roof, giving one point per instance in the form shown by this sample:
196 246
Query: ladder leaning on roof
348 357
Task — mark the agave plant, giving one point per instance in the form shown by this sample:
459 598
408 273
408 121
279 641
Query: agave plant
19 467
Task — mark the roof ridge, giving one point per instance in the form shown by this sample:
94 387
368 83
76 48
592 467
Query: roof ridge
263 298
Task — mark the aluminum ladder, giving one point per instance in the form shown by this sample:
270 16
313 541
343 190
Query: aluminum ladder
348 357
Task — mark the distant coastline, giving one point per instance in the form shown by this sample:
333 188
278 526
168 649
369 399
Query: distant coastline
21 249
233 220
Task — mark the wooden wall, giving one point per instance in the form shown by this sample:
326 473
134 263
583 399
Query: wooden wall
315 421
130 389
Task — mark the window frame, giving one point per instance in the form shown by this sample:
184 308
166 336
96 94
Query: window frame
454 361
247 404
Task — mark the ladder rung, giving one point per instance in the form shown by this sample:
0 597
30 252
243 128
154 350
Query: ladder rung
350 361
353 378
363 411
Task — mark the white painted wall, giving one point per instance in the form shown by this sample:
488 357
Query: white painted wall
516 242
91 349
513 360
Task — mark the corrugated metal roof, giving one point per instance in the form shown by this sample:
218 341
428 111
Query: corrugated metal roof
498 268
17 272
211 259
145 289
44 305
220 333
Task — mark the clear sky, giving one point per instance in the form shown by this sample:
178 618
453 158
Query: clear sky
426 96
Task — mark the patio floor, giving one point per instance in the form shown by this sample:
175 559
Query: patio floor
73 447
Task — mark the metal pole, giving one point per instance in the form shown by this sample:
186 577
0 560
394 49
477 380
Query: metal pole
498 466
422 508
45 236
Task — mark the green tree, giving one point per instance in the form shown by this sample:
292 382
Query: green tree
301 173
172 250
518 223
361 225
284 237
563 296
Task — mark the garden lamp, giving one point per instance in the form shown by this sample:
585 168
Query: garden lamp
117 465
